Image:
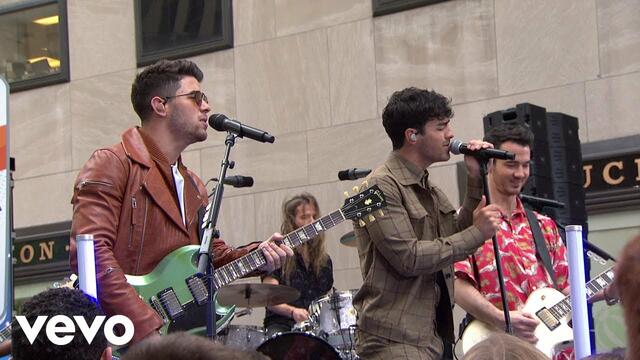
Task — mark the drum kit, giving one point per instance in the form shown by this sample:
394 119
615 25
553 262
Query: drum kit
328 334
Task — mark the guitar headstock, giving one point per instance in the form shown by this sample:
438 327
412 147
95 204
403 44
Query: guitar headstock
362 205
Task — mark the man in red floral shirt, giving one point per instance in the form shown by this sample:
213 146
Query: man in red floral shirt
523 272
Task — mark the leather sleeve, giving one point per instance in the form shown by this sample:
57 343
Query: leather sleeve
97 202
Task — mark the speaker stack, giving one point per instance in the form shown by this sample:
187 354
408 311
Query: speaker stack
556 159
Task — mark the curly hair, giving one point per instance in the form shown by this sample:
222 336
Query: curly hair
180 345
160 79
412 108
501 346
626 278
61 301
316 246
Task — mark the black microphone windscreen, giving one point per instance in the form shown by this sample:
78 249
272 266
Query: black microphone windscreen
216 121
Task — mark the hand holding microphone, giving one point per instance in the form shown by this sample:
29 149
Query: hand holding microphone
458 147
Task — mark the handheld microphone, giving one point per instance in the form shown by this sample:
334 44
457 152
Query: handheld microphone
353 174
238 181
221 122
458 147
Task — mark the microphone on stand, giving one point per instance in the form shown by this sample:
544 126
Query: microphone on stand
458 147
353 174
238 181
538 202
221 122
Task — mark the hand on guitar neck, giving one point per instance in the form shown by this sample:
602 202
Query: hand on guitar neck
5 347
275 252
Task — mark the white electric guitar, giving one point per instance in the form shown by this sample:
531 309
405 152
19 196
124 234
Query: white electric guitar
552 308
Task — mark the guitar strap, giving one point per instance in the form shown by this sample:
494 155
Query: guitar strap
541 245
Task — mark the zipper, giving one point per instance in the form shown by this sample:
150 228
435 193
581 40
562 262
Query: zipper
134 206
85 182
144 227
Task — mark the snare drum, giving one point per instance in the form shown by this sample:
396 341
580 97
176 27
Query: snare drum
304 326
298 346
242 337
335 316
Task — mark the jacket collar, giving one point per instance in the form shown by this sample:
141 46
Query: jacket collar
406 172
136 149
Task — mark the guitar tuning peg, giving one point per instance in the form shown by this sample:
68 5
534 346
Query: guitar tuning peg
362 223
371 218
356 190
346 194
365 184
380 213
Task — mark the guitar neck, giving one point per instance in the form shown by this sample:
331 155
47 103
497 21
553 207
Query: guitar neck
594 286
5 333
255 259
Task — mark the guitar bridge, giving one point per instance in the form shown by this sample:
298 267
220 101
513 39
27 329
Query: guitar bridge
548 319
197 289
170 303
155 305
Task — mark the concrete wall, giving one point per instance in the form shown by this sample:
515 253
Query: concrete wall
317 74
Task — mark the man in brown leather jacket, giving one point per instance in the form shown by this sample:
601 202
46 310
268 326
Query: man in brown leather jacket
139 200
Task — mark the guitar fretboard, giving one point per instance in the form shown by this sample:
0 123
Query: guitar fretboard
5 333
563 308
255 259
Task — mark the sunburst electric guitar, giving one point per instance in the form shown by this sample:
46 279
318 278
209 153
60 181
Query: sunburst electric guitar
552 308
179 296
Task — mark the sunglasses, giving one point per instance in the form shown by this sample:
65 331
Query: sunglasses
196 95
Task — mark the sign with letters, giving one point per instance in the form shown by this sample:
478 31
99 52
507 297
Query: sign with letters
612 172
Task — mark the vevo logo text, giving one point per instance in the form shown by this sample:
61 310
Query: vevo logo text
62 324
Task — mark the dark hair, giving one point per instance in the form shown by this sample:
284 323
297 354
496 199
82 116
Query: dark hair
517 133
160 79
62 301
180 345
412 108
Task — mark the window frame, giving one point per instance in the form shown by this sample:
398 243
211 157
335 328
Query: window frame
225 42
385 7
64 75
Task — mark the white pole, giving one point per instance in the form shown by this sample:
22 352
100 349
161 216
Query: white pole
86 265
579 314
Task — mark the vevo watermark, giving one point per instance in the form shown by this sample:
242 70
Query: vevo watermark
62 324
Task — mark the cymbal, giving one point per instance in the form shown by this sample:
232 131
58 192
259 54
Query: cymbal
256 295
349 239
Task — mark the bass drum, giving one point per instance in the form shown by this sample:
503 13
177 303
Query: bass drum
242 337
298 346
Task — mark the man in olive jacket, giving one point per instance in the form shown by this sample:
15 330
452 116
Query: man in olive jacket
406 256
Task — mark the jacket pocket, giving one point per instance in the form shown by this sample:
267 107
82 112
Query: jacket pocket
420 221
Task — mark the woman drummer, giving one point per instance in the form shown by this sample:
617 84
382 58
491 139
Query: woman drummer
310 271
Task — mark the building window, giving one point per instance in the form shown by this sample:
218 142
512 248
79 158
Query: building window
384 7
34 44
170 29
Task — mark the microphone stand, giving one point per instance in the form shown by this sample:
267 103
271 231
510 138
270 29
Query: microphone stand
496 250
205 260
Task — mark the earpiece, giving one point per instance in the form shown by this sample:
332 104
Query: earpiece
413 137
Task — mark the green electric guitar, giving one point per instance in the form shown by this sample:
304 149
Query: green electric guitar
179 296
